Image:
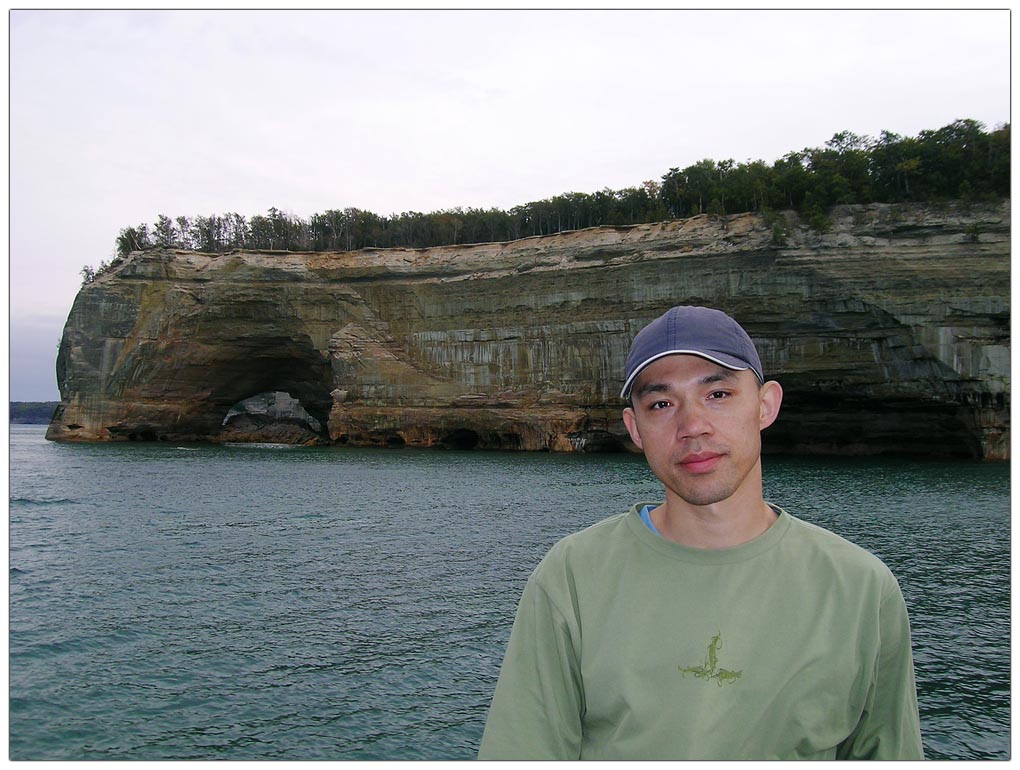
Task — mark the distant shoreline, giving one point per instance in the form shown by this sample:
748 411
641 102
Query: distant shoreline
32 412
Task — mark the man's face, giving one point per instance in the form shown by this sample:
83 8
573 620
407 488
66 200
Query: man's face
699 425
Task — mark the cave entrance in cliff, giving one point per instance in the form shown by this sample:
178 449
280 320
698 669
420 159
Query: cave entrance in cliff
271 389
271 416
461 438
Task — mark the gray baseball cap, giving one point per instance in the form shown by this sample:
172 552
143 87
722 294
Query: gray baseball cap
697 331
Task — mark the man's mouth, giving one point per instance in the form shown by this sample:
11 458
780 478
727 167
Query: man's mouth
701 462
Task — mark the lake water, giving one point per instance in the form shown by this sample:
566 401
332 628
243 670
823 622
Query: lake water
259 602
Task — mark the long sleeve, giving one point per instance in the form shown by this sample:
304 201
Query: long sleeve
538 703
889 728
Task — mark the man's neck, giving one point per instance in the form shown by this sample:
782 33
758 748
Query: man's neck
725 524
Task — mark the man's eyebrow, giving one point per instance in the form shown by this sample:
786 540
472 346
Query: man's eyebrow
651 387
720 376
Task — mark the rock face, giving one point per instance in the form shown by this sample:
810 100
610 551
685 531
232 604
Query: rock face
889 333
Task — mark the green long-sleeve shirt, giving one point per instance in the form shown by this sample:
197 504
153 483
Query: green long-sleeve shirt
795 645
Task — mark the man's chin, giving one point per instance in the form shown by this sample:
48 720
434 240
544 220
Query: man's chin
702 496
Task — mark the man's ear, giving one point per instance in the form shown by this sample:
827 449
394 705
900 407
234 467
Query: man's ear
771 399
631 422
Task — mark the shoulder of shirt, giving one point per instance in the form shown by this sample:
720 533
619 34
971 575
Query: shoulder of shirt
589 541
837 548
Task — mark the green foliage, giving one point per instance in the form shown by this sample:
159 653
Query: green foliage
133 239
960 160
777 224
90 274
818 221
814 212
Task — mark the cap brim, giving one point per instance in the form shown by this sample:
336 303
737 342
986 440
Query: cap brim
717 358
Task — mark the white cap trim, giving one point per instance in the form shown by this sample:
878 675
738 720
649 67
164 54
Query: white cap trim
644 364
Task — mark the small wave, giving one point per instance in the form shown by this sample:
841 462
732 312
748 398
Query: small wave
41 501
187 448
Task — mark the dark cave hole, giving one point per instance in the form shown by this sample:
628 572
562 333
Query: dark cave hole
461 438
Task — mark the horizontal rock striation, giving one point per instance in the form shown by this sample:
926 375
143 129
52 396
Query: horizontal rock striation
889 333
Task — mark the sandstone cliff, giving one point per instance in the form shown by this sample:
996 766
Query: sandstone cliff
889 333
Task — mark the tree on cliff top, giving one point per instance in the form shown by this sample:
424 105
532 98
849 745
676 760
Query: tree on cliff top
960 160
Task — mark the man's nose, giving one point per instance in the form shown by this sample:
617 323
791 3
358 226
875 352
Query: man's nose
692 421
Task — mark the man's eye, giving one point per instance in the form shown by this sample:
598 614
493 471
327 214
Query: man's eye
659 405
719 394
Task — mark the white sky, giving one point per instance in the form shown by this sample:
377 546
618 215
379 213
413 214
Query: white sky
118 116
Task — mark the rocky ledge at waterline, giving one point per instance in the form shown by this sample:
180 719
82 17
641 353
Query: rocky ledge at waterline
889 333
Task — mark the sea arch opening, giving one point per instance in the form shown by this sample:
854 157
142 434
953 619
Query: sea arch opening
274 417
273 390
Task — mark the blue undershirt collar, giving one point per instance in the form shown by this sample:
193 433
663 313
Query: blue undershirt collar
646 516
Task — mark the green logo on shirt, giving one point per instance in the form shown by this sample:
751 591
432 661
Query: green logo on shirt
710 668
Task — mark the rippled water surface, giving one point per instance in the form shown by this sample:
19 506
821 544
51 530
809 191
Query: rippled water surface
262 602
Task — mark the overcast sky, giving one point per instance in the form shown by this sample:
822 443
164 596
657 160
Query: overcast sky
118 116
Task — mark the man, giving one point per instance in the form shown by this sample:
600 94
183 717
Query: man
714 625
